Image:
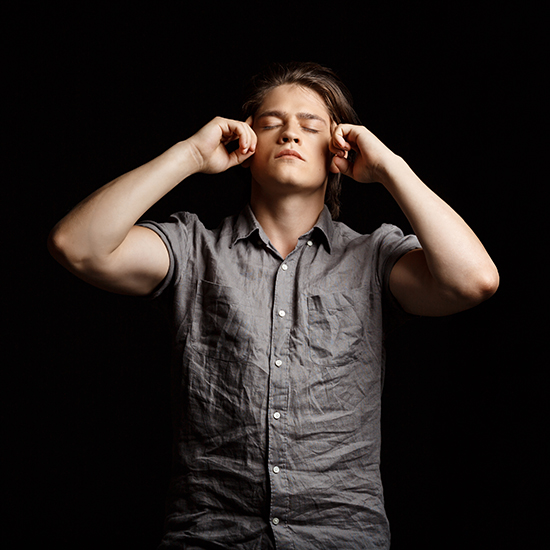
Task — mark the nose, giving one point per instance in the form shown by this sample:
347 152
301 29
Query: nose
289 135
289 139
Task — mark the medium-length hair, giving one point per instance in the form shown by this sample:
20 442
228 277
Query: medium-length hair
320 79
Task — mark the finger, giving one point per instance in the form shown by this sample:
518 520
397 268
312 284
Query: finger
338 151
253 138
339 144
238 157
340 135
247 138
333 167
237 130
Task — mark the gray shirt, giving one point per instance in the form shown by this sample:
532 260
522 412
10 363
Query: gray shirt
277 383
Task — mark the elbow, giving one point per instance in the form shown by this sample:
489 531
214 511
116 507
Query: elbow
57 244
61 246
480 287
491 284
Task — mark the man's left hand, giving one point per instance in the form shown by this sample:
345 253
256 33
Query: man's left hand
371 159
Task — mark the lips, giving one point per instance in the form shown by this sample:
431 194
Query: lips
289 153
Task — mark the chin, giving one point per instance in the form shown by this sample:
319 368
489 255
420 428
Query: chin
290 178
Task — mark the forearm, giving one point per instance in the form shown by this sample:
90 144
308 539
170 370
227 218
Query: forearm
99 224
455 258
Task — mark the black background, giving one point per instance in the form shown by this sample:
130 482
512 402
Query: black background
96 91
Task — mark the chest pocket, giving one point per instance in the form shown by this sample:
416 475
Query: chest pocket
223 322
336 326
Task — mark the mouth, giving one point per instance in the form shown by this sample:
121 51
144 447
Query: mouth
285 153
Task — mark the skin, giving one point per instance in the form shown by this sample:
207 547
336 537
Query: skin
288 193
99 242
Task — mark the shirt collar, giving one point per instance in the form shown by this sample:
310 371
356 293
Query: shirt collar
325 227
247 225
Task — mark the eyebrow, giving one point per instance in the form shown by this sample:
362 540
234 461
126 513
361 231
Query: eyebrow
282 114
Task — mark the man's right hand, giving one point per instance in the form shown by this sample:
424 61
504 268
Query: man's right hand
98 240
208 145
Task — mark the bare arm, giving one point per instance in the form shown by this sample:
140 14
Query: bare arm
453 271
98 240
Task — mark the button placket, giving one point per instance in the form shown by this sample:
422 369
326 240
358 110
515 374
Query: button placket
278 390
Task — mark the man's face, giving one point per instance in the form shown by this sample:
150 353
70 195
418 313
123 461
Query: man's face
294 127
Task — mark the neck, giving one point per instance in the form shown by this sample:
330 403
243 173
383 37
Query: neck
286 218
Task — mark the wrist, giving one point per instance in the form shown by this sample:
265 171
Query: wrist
392 170
187 157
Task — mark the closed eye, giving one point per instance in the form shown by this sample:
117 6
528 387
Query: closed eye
271 127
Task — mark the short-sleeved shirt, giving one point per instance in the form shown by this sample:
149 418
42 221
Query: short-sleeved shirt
277 382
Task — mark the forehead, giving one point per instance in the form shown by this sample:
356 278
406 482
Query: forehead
292 99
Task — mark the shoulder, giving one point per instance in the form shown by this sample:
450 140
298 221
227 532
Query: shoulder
181 229
384 239
177 222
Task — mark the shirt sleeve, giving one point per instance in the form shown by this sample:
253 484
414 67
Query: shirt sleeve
175 233
392 245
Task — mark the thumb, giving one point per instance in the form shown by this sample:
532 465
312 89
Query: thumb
340 165
238 157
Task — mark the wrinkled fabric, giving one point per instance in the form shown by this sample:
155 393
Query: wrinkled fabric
277 383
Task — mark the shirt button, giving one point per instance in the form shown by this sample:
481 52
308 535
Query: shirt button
276 469
276 415
284 267
282 313
278 363
310 243
275 521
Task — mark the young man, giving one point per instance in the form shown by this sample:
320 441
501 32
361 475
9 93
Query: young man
279 314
